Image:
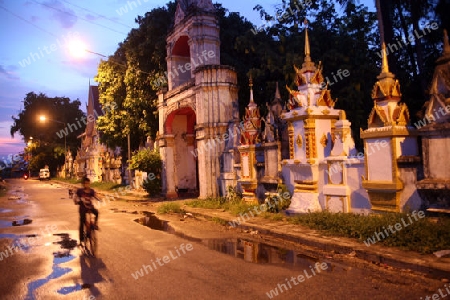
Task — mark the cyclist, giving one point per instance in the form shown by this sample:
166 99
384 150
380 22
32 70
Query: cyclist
84 200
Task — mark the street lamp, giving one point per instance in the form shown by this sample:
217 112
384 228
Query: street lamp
43 118
29 149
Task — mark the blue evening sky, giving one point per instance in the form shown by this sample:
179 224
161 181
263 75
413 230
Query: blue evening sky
34 56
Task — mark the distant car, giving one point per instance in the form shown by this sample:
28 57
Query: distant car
44 174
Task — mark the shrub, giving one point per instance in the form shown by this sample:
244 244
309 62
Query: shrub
233 195
149 161
277 202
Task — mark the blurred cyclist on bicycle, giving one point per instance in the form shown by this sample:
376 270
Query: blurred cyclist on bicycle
84 200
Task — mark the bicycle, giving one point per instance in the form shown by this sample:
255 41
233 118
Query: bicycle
89 235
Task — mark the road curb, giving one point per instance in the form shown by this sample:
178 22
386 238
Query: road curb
376 257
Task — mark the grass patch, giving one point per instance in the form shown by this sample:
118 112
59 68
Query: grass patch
69 180
235 207
170 207
209 203
105 186
219 221
241 208
421 235
272 216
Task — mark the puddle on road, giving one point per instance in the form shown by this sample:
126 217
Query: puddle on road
66 242
17 222
5 224
19 200
9 236
22 222
260 253
70 289
59 257
150 220
19 241
246 249
57 272
5 210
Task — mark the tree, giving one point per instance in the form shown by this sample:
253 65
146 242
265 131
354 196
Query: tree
412 48
128 79
346 40
112 93
343 41
52 135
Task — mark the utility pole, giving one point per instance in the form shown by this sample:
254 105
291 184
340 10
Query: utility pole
129 160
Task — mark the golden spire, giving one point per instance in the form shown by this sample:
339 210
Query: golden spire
384 62
250 84
446 44
307 65
387 87
307 48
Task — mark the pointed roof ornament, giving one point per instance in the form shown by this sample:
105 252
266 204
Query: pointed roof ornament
277 92
384 62
446 50
276 106
307 48
387 87
446 44
307 65
250 84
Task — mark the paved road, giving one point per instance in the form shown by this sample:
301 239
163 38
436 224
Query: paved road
175 268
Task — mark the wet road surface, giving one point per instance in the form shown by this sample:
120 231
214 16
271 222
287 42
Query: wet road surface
40 259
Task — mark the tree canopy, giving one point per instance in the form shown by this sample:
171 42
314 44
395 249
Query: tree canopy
344 35
64 122
128 79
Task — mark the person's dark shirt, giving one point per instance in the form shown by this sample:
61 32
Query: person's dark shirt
85 198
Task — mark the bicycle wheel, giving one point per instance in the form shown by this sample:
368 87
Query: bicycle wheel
91 242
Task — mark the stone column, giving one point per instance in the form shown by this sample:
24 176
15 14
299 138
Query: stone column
166 144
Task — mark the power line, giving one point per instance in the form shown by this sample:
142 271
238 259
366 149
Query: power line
73 15
102 16
25 20
109 59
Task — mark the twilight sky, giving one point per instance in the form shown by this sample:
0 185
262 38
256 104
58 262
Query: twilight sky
34 56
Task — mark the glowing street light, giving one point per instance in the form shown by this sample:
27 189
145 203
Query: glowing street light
77 48
43 119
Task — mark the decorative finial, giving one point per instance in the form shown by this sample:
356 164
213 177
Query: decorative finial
384 62
250 84
446 43
277 92
307 48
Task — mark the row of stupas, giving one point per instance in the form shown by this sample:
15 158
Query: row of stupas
307 146
324 171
